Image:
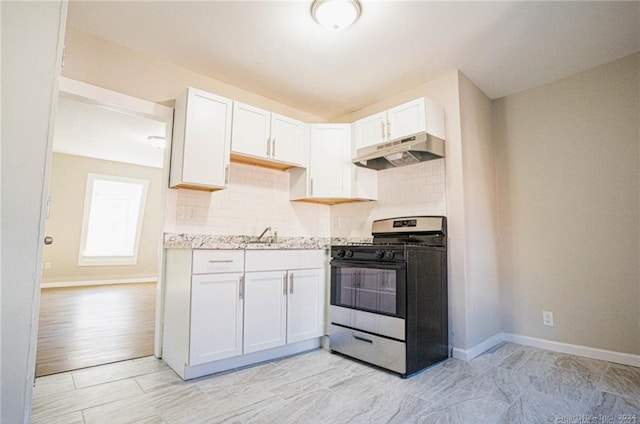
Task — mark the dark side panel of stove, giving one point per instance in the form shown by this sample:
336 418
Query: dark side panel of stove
427 317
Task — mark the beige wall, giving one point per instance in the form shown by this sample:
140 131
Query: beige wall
480 215
102 63
68 184
99 62
444 91
569 208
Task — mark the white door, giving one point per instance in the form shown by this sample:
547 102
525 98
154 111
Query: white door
216 317
207 138
329 161
251 129
265 310
305 318
290 140
406 119
370 130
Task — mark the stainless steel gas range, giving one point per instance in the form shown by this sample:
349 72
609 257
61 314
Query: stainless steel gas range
388 303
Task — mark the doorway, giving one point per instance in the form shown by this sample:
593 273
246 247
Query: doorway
101 285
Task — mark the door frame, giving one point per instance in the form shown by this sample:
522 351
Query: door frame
113 100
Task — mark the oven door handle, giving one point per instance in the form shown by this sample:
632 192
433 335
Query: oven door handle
362 339
340 263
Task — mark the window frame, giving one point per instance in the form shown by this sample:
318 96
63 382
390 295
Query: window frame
84 260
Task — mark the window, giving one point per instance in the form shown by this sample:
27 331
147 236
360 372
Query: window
112 223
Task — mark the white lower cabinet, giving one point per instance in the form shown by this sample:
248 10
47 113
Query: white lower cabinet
289 291
216 317
265 312
229 308
305 304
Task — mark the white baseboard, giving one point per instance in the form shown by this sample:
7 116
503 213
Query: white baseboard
588 352
98 282
195 371
571 349
480 348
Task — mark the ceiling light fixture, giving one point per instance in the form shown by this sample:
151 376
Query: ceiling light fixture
335 15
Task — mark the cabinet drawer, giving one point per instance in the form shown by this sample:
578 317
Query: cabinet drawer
275 260
385 353
214 261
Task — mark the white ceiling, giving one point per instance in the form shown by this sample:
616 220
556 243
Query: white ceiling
86 129
275 49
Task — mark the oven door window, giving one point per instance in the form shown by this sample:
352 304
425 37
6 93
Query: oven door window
367 287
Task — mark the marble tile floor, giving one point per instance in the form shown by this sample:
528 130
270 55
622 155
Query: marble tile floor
508 384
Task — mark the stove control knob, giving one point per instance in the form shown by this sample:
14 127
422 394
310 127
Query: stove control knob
340 253
348 254
389 254
379 254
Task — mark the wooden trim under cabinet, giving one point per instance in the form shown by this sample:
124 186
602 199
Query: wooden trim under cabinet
264 163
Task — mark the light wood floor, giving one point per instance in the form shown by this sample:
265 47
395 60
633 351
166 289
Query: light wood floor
86 326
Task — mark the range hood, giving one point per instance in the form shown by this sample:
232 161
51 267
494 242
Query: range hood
415 148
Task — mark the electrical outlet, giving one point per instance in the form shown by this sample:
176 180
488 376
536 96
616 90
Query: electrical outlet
547 318
336 223
47 265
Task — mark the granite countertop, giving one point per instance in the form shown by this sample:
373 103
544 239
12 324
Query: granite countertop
208 241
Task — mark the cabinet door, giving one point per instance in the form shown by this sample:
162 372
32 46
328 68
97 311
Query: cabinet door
370 130
305 318
364 183
329 162
202 137
265 310
216 317
289 140
407 119
251 129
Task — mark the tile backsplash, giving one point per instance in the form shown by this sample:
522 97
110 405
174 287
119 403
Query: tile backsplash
410 190
259 197
256 198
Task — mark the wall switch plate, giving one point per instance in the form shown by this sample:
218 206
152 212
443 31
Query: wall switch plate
47 265
547 318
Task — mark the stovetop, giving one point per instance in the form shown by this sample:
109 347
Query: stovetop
393 237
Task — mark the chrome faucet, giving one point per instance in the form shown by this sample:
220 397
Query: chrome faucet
263 233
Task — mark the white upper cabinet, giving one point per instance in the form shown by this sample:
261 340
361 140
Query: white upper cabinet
289 140
329 161
201 141
268 137
331 177
251 130
406 119
372 129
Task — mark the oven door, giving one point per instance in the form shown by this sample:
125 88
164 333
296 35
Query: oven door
374 287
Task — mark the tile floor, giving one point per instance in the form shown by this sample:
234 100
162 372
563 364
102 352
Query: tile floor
508 384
